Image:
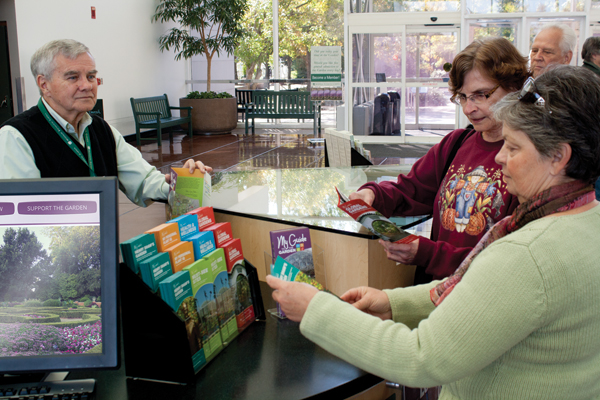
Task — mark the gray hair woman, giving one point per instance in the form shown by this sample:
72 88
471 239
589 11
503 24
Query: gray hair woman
520 319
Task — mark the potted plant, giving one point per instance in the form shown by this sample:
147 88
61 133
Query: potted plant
218 25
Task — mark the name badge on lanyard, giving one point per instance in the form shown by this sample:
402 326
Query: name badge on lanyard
68 140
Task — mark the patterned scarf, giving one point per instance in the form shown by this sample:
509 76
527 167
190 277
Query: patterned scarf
556 199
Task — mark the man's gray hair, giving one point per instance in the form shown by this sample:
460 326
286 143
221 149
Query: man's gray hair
569 37
42 61
590 47
570 115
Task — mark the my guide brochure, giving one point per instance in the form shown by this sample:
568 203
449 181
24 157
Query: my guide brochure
373 220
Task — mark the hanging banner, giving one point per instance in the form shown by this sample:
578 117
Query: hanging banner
326 72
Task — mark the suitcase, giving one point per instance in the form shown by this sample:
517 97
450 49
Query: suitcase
395 101
382 115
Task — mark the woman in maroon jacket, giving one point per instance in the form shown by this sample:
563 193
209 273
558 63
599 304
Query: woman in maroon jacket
471 196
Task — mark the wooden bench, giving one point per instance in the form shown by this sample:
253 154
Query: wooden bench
155 113
284 104
243 97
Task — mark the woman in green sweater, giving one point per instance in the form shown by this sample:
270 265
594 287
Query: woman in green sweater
520 319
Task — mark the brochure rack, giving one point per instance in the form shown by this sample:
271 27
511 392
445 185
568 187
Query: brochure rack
154 337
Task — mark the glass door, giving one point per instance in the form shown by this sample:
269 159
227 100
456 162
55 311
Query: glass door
429 110
399 86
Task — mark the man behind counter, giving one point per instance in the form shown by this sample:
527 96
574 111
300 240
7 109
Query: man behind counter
58 138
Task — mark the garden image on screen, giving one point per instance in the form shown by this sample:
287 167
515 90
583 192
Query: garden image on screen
50 284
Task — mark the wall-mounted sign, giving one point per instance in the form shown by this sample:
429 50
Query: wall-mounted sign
326 72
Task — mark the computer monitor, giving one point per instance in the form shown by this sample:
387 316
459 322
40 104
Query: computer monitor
58 275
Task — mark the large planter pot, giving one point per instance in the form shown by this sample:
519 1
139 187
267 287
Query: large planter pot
211 116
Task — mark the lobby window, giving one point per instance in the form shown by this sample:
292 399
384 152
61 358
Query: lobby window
519 6
362 6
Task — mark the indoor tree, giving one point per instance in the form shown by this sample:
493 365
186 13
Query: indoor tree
217 23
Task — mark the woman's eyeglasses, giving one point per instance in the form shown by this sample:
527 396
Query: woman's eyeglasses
477 98
528 93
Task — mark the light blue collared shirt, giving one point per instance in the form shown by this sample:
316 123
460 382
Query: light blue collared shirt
140 181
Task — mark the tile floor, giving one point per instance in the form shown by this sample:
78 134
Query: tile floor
267 148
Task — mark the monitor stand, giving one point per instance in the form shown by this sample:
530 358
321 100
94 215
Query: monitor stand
50 384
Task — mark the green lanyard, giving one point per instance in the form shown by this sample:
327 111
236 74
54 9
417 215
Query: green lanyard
68 140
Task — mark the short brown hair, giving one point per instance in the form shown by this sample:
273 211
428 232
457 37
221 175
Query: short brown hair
495 58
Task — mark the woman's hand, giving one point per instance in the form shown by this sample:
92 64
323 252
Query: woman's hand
370 300
401 252
365 195
293 297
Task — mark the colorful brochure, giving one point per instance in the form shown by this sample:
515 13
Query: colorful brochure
155 269
286 242
206 305
188 225
224 295
244 309
205 215
204 244
166 235
187 191
373 220
138 249
287 272
176 291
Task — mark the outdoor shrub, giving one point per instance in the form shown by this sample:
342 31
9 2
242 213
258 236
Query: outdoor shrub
41 318
87 303
9 319
32 303
72 314
85 320
85 298
52 303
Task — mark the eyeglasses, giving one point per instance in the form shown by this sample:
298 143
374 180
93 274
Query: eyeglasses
528 92
476 98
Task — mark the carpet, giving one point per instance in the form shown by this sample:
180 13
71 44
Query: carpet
397 150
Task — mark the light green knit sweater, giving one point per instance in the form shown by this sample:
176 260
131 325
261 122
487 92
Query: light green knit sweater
524 322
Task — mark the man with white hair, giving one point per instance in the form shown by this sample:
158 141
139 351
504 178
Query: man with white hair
554 44
58 138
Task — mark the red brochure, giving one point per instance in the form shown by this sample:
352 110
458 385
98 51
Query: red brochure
373 220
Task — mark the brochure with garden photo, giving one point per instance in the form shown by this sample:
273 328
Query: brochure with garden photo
187 191
373 220
287 272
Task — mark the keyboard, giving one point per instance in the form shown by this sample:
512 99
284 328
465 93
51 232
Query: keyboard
78 389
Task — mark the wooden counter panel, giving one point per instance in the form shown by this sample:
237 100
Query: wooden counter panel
350 261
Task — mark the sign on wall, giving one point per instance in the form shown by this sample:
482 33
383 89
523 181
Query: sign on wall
326 72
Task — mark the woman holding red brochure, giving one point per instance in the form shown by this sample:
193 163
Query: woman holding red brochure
519 319
458 180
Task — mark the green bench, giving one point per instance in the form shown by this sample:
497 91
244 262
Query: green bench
155 113
284 104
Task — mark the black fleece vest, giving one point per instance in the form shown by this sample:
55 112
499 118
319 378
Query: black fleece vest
54 158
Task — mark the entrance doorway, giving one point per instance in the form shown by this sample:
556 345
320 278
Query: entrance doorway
399 70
